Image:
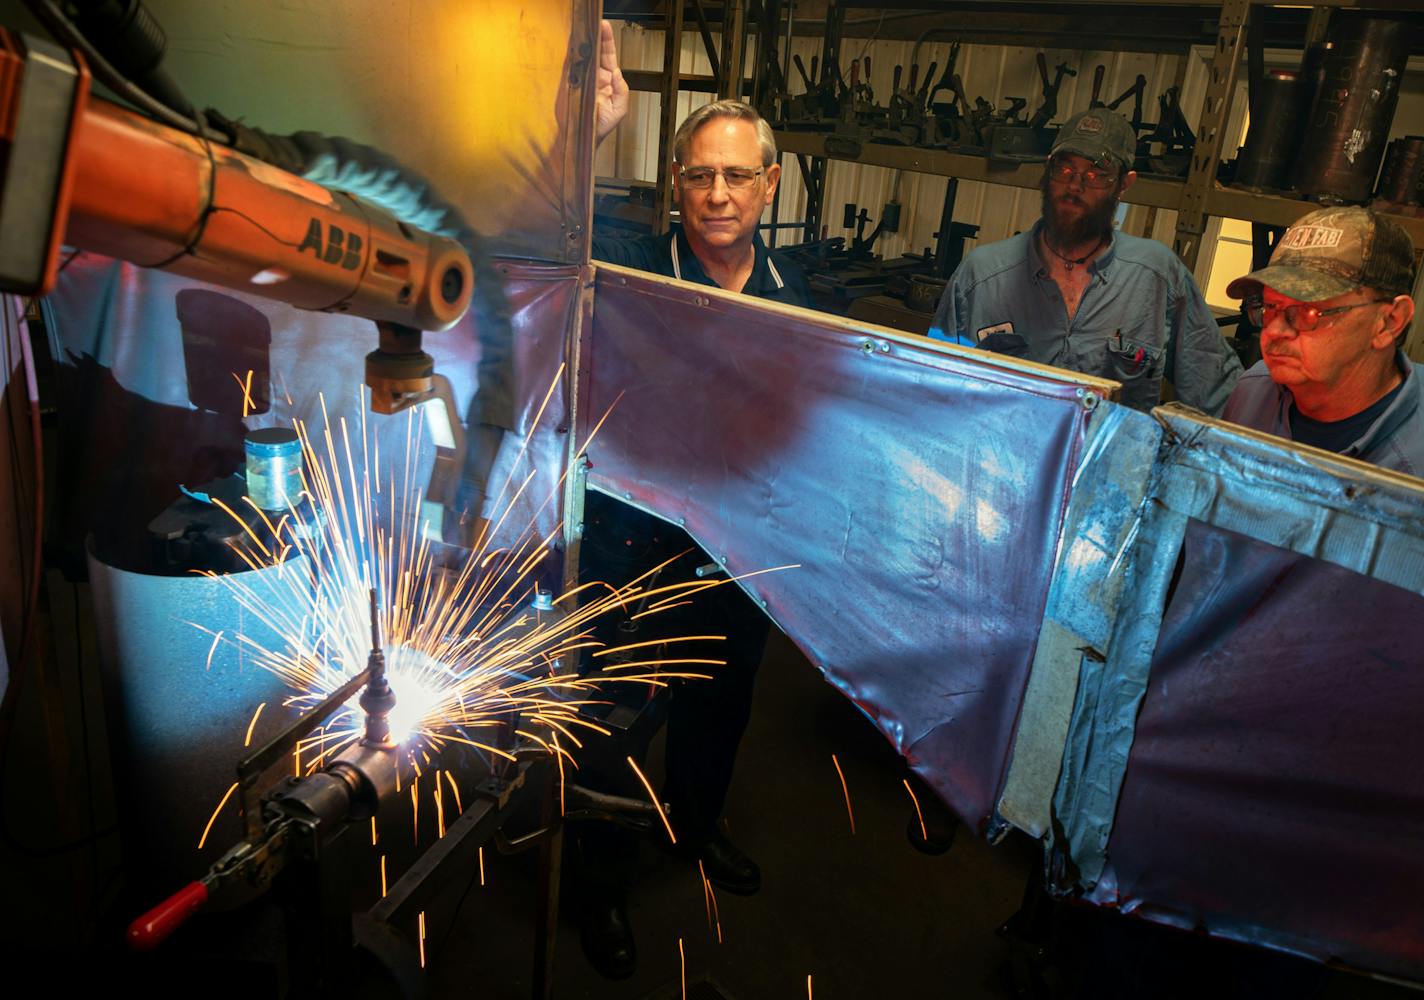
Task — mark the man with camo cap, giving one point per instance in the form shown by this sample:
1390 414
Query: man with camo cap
1075 293
1334 306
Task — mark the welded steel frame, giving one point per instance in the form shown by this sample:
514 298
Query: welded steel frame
813 175
1211 130
667 116
733 55
767 75
551 848
1141 480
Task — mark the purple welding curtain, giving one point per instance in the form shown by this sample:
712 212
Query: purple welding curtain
1274 791
921 494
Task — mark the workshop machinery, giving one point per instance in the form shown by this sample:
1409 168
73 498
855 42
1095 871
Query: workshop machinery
84 172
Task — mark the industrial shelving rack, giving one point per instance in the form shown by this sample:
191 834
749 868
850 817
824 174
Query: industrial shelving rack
1196 198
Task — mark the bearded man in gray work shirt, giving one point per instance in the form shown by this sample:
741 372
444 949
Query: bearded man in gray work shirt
1073 293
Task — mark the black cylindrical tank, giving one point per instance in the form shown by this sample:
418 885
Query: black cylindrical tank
1276 111
1312 69
1348 123
1402 179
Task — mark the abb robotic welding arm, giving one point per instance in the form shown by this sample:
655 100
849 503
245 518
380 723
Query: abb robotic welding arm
85 172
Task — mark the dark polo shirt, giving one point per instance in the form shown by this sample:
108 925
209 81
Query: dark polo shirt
773 277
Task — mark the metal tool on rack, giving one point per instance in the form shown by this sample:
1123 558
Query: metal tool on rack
819 106
1049 107
1031 140
1172 134
947 122
1136 92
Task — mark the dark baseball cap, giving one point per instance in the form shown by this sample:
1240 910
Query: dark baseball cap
1332 251
1101 135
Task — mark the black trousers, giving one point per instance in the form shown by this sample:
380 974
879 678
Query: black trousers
705 718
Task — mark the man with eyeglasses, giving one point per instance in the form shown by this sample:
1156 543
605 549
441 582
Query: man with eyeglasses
1074 293
1334 306
725 175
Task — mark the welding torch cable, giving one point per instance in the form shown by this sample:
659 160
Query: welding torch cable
67 32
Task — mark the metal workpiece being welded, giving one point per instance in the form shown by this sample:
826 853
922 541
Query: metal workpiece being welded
377 699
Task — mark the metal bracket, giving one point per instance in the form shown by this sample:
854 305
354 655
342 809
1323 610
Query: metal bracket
36 175
498 790
574 508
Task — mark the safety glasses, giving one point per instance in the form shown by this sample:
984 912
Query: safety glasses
1063 171
1300 316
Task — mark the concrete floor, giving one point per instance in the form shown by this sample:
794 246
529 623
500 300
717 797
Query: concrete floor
863 914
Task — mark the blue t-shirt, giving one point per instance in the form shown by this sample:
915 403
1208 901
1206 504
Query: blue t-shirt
1141 319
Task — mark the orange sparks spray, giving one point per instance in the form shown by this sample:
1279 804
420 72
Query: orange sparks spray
204 838
211 650
454 630
456 789
846 791
247 740
559 759
439 808
924 834
706 892
656 804
709 901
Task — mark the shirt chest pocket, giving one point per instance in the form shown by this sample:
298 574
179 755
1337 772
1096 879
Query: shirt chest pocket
1139 367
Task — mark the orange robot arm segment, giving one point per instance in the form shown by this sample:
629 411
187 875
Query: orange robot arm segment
158 197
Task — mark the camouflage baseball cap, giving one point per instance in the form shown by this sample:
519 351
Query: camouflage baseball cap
1100 135
1332 251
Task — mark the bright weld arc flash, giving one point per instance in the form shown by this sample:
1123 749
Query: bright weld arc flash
418 681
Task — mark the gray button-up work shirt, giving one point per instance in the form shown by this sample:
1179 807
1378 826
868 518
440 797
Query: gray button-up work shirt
1141 318
1394 441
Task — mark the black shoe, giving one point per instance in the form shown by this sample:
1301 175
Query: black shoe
930 838
726 867
607 939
